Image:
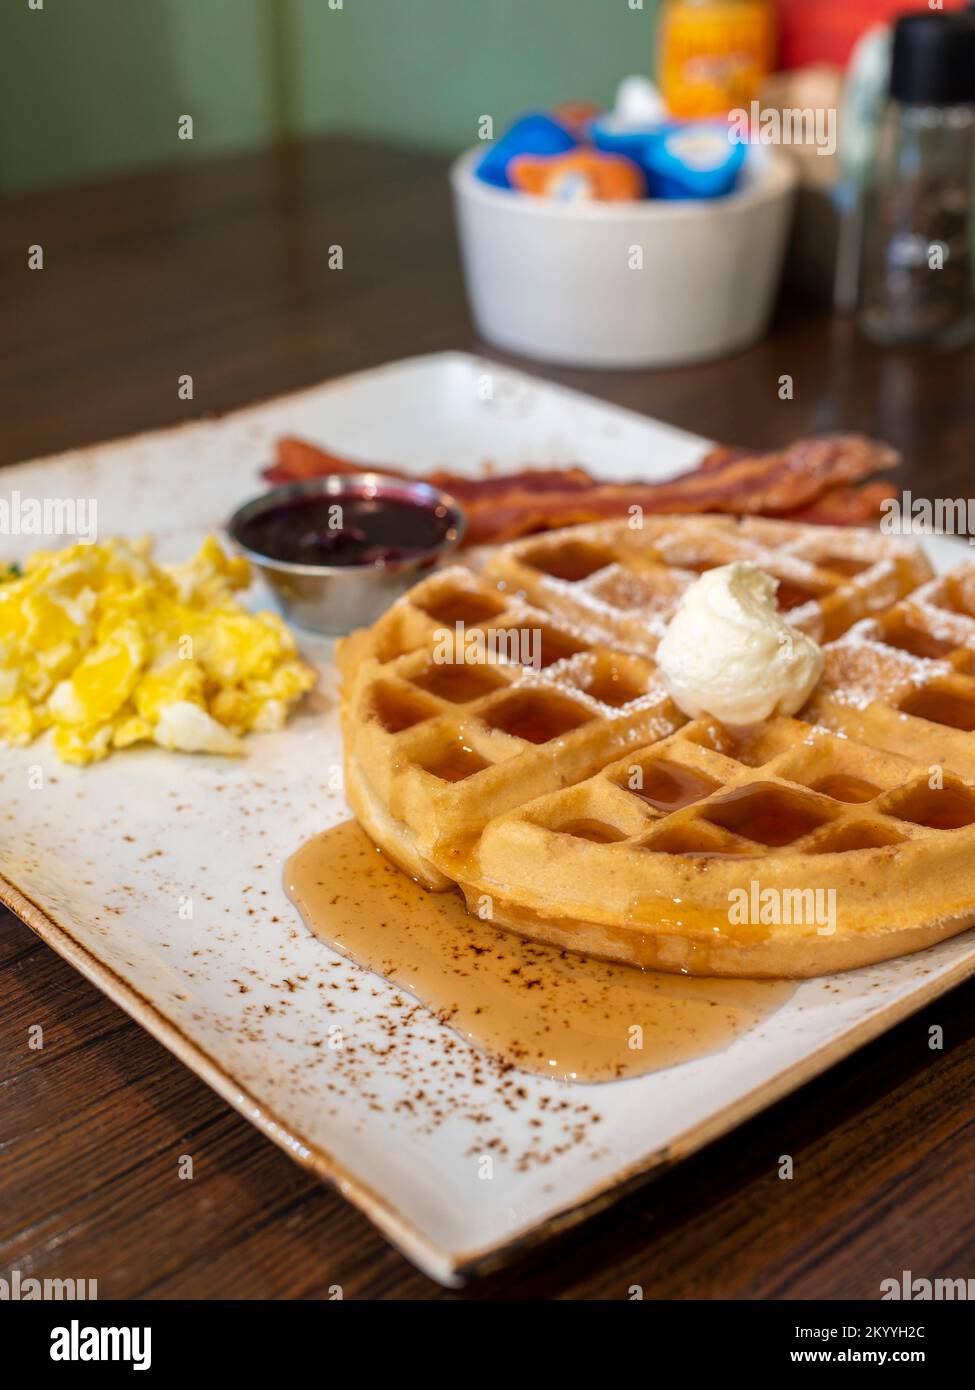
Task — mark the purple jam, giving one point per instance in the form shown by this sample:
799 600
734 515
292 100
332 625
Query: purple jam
346 529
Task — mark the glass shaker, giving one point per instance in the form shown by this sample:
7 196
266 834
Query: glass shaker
918 280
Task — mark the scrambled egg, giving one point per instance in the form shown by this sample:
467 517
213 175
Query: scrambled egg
108 648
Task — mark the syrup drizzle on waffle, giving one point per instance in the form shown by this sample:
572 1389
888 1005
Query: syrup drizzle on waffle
514 777
524 1003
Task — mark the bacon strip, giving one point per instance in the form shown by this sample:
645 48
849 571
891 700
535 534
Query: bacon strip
846 506
813 480
297 460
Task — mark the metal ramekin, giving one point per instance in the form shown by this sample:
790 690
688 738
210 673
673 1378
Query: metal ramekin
334 599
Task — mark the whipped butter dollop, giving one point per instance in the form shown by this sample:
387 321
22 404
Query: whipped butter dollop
728 652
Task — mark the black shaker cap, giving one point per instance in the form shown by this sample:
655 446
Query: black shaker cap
934 58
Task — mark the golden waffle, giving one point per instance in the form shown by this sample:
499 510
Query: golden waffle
622 584
639 862
434 747
905 681
575 803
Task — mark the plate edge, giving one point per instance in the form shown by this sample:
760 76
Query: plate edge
437 1263
449 1269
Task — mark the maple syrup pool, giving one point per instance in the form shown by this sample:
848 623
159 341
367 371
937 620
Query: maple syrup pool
528 1004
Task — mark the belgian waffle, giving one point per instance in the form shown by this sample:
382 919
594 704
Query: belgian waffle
621 581
575 802
639 862
435 745
905 680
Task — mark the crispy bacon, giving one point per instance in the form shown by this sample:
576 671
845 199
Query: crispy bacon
297 459
813 480
846 506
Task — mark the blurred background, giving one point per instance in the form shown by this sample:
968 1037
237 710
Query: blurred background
256 71
327 128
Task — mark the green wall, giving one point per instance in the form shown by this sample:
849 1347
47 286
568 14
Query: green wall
92 87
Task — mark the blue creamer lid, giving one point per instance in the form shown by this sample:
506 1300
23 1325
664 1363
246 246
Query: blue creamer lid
695 159
536 133
617 135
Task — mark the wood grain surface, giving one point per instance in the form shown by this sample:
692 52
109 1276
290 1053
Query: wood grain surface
220 270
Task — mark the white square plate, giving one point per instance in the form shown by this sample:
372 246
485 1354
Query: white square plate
99 861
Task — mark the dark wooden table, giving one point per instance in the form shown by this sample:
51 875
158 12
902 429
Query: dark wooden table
220 271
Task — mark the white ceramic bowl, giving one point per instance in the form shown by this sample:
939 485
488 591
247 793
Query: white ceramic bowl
557 281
